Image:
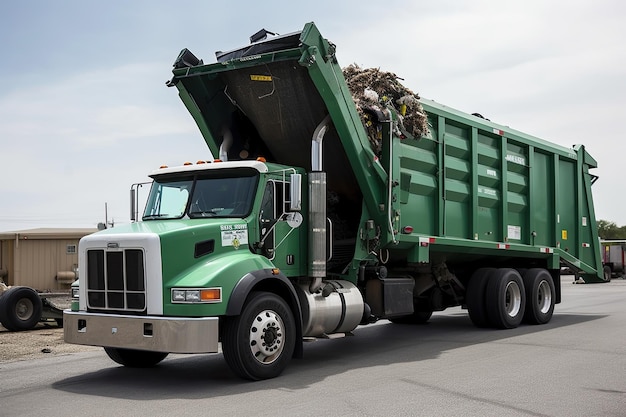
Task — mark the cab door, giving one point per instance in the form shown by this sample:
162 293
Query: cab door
267 220
281 230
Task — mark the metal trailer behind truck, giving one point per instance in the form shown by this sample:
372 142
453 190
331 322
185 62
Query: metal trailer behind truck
298 229
614 257
22 308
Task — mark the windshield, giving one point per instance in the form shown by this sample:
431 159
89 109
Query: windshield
204 195
167 200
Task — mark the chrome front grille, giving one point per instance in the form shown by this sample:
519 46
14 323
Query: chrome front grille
116 280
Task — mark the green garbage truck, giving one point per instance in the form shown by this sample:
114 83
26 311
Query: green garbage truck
318 215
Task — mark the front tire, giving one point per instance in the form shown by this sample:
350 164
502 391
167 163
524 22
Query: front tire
20 309
135 358
259 343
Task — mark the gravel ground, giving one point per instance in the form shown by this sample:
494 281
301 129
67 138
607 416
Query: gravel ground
45 340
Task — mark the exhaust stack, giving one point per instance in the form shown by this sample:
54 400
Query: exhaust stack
317 212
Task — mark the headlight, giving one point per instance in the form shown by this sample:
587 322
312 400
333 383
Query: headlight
193 296
196 295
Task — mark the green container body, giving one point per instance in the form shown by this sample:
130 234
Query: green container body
485 186
470 191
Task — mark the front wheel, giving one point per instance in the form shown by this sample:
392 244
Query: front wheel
135 358
259 343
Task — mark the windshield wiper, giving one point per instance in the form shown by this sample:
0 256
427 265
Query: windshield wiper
155 216
208 213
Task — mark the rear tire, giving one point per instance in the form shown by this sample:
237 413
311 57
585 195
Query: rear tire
135 358
259 343
540 293
505 299
20 309
475 296
607 273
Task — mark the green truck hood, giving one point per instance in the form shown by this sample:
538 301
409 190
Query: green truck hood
187 243
158 226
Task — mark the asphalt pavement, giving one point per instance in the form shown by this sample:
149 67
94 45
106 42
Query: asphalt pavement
573 366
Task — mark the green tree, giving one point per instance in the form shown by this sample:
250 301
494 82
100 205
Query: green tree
610 230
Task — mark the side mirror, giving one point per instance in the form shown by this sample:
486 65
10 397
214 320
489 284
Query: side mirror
133 203
295 190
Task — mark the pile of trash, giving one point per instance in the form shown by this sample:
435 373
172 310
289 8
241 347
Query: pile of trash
373 92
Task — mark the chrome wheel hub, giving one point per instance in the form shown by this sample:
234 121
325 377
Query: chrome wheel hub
267 337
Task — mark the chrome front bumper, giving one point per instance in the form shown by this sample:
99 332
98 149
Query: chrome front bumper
160 334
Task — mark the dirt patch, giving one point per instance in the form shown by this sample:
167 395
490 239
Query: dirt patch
43 341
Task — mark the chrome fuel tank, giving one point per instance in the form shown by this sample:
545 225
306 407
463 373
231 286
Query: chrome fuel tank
334 309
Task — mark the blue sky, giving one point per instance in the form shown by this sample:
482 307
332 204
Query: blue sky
84 111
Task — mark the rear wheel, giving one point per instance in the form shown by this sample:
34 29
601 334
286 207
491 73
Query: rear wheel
475 296
259 343
20 308
505 299
606 272
135 358
540 293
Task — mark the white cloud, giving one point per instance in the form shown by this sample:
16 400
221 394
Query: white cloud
98 108
81 141
552 69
